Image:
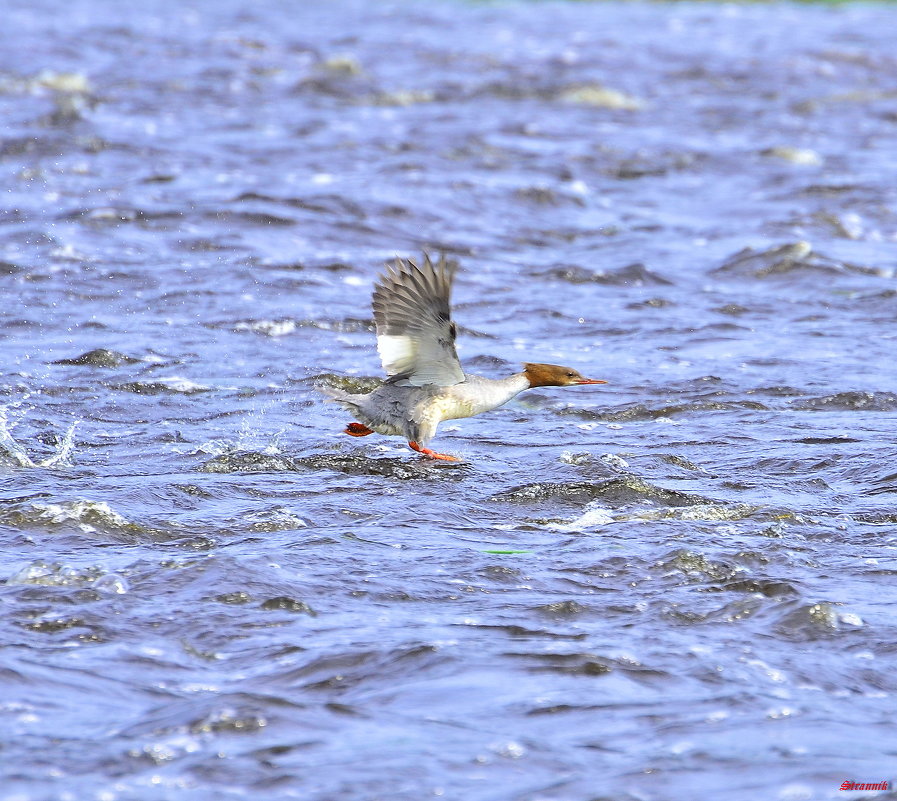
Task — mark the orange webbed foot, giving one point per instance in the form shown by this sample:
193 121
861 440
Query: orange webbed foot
432 454
358 430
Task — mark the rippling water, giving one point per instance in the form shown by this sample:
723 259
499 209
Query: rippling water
678 585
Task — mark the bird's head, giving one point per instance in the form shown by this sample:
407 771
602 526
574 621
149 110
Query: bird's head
554 375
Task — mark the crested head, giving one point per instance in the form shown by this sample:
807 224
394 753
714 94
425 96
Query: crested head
554 375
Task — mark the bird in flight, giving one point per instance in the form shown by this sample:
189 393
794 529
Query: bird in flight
425 382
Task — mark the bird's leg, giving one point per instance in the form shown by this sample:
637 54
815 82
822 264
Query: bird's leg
432 454
357 430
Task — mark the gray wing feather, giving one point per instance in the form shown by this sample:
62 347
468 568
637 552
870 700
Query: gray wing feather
415 332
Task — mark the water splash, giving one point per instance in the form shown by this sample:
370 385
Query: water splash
15 453
9 448
252 435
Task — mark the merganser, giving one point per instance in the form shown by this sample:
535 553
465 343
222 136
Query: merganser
425 384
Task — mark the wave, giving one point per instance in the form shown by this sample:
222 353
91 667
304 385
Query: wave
614 492
353 465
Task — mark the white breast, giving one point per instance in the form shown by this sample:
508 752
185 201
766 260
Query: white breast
478 394
449 407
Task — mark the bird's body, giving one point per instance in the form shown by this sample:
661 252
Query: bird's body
426 384
397 409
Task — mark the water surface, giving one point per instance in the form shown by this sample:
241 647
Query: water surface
677 585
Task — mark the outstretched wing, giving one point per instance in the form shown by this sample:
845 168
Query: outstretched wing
415 332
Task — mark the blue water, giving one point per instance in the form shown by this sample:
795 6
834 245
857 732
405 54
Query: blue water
676 585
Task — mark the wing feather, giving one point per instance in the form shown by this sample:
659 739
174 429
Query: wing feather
415 332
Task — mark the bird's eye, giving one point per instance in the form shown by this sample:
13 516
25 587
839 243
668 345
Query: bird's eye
571 374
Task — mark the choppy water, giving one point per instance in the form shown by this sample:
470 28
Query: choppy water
679 585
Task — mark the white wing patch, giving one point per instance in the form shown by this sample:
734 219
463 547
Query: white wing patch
424 360
398 353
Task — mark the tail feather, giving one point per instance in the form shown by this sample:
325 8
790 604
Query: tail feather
340 396
362 409
349 402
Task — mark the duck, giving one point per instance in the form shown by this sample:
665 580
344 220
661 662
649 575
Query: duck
425 382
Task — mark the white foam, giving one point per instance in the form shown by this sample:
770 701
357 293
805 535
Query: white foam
593 517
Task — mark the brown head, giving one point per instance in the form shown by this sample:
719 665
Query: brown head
553 375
